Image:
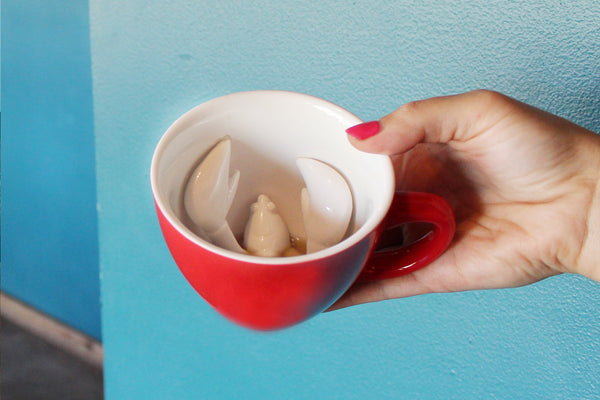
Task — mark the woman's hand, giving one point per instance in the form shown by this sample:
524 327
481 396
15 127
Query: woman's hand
523 185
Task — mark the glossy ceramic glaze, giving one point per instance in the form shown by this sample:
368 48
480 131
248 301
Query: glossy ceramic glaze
209 194
326 204
266 233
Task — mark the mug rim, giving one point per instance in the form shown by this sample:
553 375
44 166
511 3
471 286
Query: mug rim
371 223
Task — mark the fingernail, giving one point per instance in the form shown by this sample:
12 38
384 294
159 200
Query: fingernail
365 130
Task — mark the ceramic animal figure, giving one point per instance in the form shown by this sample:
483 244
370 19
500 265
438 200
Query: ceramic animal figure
266 234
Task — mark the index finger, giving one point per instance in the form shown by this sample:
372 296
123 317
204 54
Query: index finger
436 120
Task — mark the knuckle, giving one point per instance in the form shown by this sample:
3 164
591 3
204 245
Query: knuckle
488 97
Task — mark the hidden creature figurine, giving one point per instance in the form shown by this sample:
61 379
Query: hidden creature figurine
266 234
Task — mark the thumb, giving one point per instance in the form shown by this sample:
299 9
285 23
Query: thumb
435 120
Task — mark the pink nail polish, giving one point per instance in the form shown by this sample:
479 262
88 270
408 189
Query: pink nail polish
365 130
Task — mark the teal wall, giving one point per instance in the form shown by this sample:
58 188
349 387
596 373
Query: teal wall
153 60
49 221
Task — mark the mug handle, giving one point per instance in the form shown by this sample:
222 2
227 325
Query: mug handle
412 207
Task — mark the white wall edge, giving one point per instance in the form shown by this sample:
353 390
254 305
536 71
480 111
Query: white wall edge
52 331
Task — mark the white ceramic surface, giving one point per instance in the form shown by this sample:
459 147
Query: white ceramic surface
209 194
326 204
269 131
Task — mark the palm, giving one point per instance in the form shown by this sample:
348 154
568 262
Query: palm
491 248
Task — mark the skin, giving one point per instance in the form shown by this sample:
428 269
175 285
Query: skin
523 183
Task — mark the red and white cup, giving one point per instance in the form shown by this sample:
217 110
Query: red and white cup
269 130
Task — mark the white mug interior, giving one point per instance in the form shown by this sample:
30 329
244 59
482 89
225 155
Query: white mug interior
269 130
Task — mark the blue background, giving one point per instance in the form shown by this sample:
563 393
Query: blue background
153 60
49 221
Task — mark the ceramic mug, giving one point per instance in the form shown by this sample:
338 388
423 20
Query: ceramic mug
269 130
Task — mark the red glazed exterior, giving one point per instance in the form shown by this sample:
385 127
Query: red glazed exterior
410 207
269 296
265 296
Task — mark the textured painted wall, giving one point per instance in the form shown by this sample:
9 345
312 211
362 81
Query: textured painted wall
153 60
49 221
0 59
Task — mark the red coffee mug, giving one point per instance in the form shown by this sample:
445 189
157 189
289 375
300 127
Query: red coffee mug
269 130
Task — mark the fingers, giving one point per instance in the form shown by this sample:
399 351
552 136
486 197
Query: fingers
434 278
436 120
368 292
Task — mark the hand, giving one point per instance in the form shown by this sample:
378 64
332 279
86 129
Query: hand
524 186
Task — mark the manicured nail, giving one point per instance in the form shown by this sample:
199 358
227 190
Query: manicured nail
365 130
